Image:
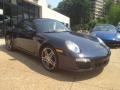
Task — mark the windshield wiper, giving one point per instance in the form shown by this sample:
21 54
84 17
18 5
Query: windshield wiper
57 31
51 32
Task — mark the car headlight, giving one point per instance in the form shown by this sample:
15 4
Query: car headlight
118 35
72 46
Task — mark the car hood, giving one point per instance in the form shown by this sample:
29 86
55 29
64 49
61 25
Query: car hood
89 45
105 35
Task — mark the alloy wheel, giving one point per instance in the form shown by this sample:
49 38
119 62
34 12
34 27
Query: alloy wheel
49 59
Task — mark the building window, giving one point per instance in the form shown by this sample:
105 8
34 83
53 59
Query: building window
17 10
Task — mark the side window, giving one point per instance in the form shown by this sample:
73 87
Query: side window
28 25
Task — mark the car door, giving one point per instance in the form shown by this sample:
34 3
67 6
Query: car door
25 36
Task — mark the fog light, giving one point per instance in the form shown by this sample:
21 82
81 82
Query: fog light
84 60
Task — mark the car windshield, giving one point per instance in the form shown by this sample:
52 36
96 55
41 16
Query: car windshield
105 28
118 28
46 25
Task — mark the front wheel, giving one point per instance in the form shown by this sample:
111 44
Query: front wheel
9 43
49 59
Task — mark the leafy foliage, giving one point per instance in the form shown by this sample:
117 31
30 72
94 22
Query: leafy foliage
113 16
108 4
77 10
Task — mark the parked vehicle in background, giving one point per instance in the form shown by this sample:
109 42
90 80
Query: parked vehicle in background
1 25
108 33
57 46
118 28
3 21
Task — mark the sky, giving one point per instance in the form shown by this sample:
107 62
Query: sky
53 3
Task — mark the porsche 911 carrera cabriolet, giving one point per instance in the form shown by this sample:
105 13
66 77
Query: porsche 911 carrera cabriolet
58 47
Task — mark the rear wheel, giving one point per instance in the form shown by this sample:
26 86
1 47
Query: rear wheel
49 59
9 43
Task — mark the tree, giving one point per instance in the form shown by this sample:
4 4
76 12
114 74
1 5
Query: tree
108 4
49 6
112 12
113 16
77 10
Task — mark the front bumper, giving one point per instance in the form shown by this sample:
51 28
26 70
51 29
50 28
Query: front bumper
113 43
70 64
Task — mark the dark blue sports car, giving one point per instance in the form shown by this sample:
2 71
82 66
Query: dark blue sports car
108 33
57 46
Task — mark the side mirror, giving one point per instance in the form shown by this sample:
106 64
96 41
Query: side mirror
28 28
31 31
90 30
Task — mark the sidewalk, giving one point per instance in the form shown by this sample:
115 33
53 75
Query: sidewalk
19 71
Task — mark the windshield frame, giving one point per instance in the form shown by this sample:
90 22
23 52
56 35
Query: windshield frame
43 24
104 28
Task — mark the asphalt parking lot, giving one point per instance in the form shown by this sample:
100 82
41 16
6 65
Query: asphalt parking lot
19 71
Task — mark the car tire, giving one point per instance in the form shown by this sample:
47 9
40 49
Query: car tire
9 43
49 58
